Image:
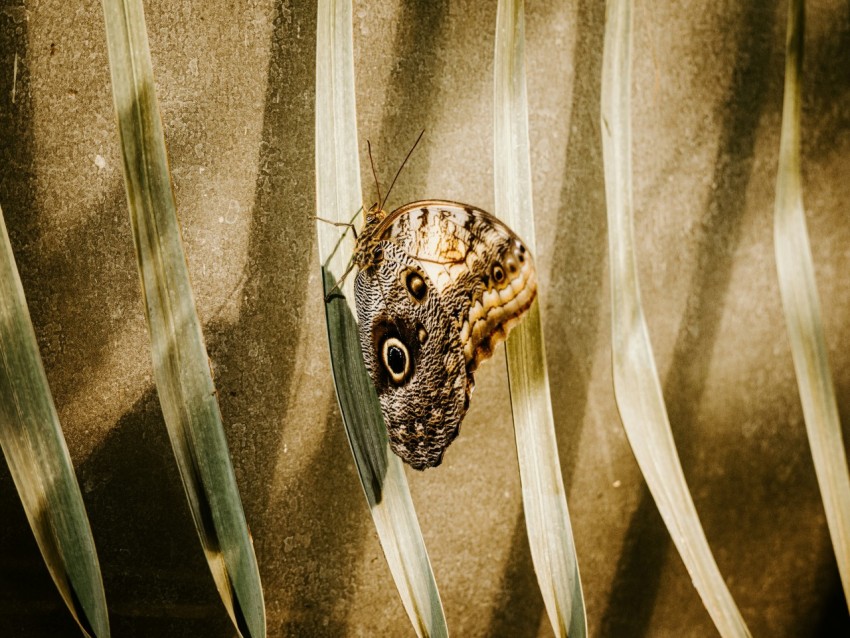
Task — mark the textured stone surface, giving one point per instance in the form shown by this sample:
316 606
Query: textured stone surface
235 82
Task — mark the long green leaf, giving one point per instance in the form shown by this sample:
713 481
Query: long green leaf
337 198
636 384
802 309
547 518
181 367
38 458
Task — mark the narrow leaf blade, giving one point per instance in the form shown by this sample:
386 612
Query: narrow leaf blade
801 303
636 384
338 198
181 367
547 518
38 458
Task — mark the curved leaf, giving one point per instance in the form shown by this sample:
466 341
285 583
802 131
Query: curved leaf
547 518
181 367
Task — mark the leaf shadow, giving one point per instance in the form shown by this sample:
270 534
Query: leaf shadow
417 62
24 580
156 578
32 605
295 527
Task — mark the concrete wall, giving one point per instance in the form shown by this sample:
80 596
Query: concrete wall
236 88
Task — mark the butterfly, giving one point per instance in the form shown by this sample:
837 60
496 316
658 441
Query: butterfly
439 284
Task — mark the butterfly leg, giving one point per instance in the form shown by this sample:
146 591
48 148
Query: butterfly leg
347 225
336 291
339 224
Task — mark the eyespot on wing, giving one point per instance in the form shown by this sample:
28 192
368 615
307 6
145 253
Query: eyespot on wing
423 395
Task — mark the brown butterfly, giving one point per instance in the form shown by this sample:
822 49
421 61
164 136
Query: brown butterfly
439 284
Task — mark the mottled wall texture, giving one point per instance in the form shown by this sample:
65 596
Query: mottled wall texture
235 81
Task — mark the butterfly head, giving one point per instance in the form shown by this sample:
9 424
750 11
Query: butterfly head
368 251
375 214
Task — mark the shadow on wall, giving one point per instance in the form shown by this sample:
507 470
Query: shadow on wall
156 578
135 460
826 86
66 288
411 89
157 581
155 574
307 531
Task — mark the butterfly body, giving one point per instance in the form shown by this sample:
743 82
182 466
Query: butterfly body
439 284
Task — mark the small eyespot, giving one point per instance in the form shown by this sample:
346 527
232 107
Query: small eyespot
378 253
395 358
519 251
511 265
416 285
498 274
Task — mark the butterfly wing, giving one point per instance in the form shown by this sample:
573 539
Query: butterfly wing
482 270
441 284
413 354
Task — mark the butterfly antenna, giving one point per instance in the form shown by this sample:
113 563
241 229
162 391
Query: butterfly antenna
374 173
409 153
